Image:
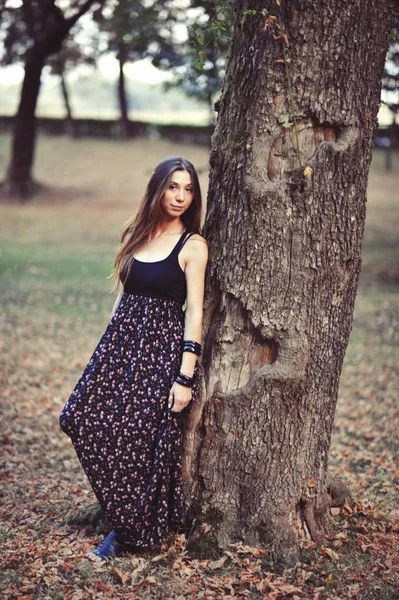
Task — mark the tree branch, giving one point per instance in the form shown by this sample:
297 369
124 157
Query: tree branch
82 10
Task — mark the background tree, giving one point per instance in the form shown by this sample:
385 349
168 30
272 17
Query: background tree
390 86
72 55
135 30
32 31
285 220
198 64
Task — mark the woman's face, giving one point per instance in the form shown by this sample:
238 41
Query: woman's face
179 195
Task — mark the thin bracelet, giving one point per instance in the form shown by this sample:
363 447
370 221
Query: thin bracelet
184 380
186 377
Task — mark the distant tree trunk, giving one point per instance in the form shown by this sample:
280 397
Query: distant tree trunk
393 141
285 256
212 75
388 158
124 118
23 145
70 123
211 107
48 28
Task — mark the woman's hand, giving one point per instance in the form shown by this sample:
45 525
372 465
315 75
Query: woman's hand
179 396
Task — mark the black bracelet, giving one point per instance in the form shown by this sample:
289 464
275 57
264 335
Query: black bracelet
186 377
191 346
184 380
190 349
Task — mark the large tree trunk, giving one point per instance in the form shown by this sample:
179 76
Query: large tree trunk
285 255
124 118
19 180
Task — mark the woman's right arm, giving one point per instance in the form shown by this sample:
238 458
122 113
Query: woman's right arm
116 303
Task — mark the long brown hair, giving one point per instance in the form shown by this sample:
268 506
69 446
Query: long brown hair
142 227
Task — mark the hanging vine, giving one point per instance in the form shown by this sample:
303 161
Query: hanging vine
274 23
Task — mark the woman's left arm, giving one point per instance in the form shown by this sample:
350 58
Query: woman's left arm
196 258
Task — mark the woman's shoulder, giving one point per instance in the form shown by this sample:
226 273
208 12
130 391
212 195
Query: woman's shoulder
196 249
196 237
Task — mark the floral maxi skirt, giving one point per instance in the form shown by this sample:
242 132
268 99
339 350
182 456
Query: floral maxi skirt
125 436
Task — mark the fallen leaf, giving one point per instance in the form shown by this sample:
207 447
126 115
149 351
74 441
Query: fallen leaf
217 564
329 552
159 557
124 577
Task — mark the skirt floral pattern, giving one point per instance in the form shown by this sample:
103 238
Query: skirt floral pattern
125 436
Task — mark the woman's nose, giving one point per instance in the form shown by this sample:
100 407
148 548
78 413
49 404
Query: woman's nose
180 195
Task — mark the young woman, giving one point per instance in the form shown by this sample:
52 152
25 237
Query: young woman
124 414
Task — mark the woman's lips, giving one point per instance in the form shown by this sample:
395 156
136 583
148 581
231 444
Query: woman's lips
176 207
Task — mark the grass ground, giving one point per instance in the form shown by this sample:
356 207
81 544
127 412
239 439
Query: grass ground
55 256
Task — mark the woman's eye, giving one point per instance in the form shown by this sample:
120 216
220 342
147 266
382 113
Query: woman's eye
189 190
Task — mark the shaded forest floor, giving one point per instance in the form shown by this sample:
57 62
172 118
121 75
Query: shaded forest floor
55 256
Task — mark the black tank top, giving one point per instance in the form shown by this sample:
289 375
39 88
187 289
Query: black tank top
160 279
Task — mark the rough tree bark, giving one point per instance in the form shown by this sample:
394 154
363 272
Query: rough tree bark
285 255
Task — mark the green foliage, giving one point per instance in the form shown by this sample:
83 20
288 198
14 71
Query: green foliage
199 64
213 33
138 29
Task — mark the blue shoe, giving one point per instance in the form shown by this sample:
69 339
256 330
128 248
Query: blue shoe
110 548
